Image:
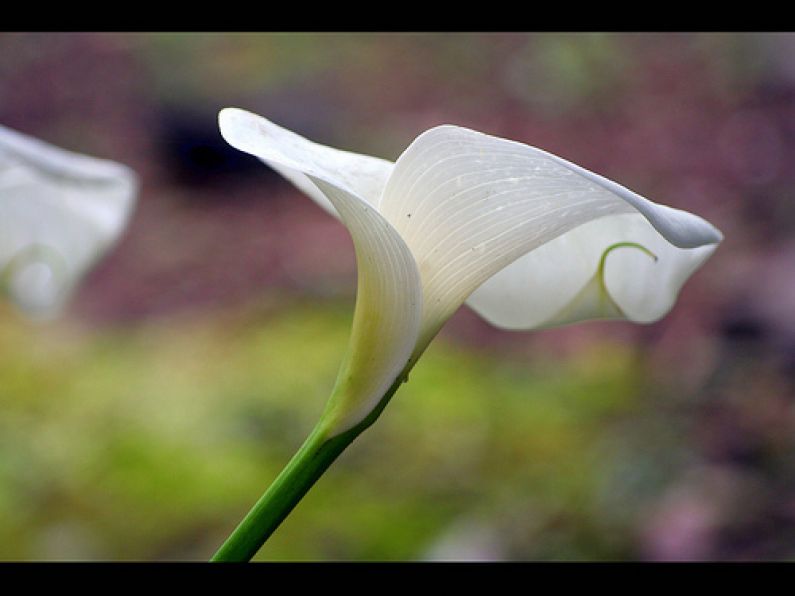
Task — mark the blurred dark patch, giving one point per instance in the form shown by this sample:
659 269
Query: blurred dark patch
196 155
745 417
788 360
744 329
756 338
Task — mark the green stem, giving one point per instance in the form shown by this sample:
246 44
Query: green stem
313 458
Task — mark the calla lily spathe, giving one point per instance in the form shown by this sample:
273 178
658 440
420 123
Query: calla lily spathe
59 212
526 238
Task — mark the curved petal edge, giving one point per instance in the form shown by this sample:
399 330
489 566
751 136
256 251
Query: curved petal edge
386 319
297 158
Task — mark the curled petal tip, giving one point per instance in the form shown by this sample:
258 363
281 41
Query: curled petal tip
239 128
717 235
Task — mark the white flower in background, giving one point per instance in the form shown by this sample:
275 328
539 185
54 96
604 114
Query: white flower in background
59 212
526 238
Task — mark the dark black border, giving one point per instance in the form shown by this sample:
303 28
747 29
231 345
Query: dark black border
392 17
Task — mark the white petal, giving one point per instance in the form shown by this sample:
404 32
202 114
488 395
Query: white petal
362 175
59 211
469 204
389 297
557 283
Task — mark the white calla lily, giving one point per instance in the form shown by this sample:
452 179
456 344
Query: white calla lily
526 238
59 212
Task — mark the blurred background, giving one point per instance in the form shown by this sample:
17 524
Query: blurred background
196 358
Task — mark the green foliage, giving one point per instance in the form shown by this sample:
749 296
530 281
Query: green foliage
151 442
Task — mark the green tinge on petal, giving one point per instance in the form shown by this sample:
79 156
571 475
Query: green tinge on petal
389 297
36 280
387 316
528 293
594 299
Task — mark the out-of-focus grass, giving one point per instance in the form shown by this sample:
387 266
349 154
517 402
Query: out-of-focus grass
151 442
